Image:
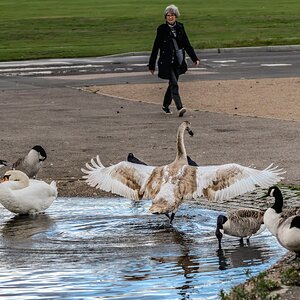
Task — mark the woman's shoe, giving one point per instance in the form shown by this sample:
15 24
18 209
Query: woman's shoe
181 112
166 110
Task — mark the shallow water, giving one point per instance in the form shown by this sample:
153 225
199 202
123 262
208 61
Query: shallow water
84 248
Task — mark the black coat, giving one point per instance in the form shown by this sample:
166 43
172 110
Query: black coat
164 44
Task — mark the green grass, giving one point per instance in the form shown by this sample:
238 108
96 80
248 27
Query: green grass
262 287
76 28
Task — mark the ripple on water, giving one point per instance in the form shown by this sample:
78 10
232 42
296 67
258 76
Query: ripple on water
114 248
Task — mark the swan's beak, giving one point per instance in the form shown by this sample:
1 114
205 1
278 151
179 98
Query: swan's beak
191 133
5 178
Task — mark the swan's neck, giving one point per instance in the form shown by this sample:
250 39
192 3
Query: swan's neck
181 152
21 182
24 182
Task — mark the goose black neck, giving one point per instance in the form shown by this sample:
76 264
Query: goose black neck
277 206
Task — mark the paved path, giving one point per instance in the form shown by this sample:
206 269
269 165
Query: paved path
74 126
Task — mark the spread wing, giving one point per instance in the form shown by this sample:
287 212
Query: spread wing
125 178
230 180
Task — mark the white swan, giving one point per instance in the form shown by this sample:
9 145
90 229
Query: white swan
169 185
284 224
31 163
243 222
22 195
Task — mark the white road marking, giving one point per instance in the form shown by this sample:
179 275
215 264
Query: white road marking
139 65
224 61
111 75
31 63
275 65
48 68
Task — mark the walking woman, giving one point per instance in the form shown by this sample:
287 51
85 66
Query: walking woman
171 42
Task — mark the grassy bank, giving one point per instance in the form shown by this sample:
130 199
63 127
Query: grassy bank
76 28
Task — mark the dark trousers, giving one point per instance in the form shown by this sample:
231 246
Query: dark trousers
173 90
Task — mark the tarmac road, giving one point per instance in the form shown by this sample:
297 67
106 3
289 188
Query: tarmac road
233 63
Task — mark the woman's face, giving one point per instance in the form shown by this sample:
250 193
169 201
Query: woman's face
171 18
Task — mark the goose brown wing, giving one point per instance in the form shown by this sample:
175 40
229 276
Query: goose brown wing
125 179
230 180
290 211
247 218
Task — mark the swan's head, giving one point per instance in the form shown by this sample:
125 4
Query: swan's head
5 178
16 176
188 127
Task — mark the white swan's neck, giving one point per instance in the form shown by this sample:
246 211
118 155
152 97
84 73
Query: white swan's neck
23 181
17 180
181 152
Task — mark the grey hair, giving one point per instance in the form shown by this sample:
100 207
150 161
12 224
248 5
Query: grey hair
173 10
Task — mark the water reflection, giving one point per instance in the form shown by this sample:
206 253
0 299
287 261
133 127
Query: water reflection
240 256
87 248
184 264
23 228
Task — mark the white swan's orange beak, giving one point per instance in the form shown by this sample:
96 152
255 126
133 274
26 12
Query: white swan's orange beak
5 178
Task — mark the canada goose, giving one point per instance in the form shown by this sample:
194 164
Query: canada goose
170 184
243 222
281 224
135 160
22 195
3 163
32 162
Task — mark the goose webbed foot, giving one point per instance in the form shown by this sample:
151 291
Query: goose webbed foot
171 218
241 242
220 246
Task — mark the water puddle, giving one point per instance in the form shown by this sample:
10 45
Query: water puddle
113 248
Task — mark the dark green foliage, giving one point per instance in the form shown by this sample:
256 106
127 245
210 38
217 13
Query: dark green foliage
261 289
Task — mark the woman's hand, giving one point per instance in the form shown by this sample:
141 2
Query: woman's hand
152 71
197 62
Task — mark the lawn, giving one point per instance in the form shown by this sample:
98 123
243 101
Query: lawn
78 28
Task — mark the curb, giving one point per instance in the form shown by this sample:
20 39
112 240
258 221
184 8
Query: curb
282 48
